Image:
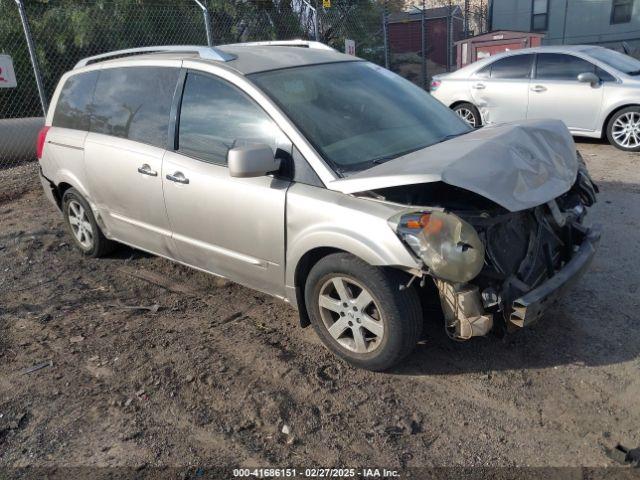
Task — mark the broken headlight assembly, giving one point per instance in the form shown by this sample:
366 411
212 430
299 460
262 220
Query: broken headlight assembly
449 247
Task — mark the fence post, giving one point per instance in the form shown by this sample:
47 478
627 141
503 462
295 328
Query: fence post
423 44
207 23
32 56
384 34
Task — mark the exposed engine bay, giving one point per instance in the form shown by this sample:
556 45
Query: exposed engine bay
529 255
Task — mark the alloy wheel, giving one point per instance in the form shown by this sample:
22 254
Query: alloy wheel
80 224
351 315
467 115
626 130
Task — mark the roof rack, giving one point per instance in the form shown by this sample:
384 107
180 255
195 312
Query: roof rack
285 43
208 53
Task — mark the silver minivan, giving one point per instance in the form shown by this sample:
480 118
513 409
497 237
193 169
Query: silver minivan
324 180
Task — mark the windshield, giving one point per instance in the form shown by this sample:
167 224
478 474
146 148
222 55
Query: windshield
619 61
357 114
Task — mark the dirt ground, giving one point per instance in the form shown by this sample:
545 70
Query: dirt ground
215 375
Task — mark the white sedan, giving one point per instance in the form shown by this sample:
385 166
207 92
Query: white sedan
594 90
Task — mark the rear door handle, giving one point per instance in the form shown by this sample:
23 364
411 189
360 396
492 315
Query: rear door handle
538 89
178 177
479 86
146 170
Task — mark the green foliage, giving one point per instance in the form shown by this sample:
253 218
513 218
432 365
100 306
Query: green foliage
64 31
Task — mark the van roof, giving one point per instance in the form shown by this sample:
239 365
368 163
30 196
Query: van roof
244 58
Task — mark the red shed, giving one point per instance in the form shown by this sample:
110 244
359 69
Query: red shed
444 25
474 48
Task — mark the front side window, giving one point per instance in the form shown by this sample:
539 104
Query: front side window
135 103
540 15
514 67
74 103
555 66
621 11
357 114
215 117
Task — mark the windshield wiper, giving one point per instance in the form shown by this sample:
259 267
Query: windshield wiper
634 73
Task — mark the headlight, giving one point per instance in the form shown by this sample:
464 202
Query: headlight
448 246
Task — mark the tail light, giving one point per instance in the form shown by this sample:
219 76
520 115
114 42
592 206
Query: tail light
42 137
435 84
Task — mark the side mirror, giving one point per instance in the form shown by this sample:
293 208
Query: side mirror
251 161
589 77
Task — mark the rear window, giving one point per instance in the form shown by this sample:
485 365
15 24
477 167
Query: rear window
512 68
73 107
135 103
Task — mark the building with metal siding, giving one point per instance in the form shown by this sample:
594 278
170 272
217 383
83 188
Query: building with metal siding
596 22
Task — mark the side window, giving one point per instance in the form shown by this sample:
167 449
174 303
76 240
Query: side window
135 103
604 75
484 72
74 102
557 66
215 116
513 67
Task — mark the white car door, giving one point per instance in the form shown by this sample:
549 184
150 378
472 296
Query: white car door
500 90
556 92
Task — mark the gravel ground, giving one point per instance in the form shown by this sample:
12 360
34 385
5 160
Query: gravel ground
216 373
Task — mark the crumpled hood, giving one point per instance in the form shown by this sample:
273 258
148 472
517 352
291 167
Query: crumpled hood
517 165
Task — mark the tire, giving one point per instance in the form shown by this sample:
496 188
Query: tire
469 113
623 129
84 230
394 316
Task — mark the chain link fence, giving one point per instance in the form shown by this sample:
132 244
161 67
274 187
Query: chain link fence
65 31
421 39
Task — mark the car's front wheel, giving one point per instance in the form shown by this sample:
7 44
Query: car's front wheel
359 312
469 113
82 225
623 129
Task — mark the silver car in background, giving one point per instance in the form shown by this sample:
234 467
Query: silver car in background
323 180
593 90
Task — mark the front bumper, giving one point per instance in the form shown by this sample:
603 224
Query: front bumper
530 307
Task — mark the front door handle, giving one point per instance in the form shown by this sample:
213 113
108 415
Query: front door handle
538 89
479 86
178 177
146 170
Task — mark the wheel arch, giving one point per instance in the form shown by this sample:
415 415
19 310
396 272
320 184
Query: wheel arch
605 124
310 258
302 270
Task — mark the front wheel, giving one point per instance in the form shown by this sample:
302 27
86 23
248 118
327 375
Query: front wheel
469 113
623 129
359 312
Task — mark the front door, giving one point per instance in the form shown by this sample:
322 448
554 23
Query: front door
233 227
500 90
555 92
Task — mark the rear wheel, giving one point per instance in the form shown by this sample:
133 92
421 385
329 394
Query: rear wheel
359 312
469 113
82 225
623 129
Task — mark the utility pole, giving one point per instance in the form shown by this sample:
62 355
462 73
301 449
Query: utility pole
424 44
384 33
32 55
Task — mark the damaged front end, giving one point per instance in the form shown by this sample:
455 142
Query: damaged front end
497 269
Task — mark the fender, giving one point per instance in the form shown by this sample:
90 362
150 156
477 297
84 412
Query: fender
322 218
